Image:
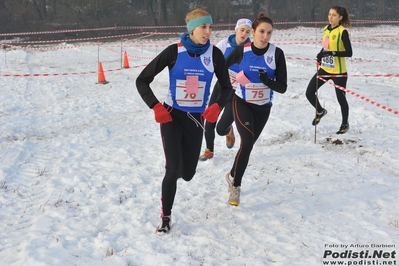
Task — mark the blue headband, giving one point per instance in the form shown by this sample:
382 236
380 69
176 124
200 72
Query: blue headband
192 24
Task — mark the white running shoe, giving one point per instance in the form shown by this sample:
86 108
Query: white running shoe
164 227
234 197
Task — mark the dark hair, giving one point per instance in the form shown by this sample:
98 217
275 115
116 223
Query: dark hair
342 11
261 18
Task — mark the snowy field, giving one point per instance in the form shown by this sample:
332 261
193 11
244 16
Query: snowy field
81 164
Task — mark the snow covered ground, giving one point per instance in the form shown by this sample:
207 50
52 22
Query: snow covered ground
81 164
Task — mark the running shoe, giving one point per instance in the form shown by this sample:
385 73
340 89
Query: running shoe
318 117
234 197
208 154
230 138
343 129
164 227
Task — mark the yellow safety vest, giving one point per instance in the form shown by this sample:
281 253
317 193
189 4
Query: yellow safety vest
334 64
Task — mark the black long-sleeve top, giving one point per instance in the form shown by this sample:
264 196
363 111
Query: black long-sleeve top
167 58
280 82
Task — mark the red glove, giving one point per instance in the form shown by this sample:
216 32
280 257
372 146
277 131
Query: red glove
212 113
161 114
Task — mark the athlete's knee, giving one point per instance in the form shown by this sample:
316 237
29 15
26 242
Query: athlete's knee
187 178
187 174
222 131
310 93
171 175
247 145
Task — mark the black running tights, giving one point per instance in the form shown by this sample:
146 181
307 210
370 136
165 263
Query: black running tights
341 95
250 119
182 139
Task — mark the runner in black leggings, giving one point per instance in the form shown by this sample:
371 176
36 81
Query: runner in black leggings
341 96
226 45
192 63
262 71
336 46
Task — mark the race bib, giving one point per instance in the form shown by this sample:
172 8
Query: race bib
257 93
328 61
186 97
233 80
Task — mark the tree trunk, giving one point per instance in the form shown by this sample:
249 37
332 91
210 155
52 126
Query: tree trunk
40 6
162 12
359 9
256 7
266 5
380 9
151 13
55 7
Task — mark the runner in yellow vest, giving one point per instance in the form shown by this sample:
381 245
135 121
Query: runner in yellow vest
331 58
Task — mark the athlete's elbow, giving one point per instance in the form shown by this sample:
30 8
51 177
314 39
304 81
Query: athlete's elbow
282 89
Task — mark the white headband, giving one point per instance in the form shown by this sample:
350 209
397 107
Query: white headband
243 22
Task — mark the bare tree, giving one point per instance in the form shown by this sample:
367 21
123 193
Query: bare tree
256 7
151 12
40 6
163 12
380 9
360 8
22 15
266 7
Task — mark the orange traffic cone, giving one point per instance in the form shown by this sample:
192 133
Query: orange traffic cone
101 76
125 61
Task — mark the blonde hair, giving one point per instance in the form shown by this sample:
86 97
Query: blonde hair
196 13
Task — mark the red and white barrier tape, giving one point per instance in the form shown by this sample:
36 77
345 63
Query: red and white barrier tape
156 43
75 40
49 74
55 31
388 75
364 75
64 74
50 48
355 60
119 52
118 69
181 26
360 96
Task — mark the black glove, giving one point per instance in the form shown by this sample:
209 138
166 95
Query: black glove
264 77
323 54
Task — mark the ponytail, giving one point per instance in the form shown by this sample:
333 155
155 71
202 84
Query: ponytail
342 11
